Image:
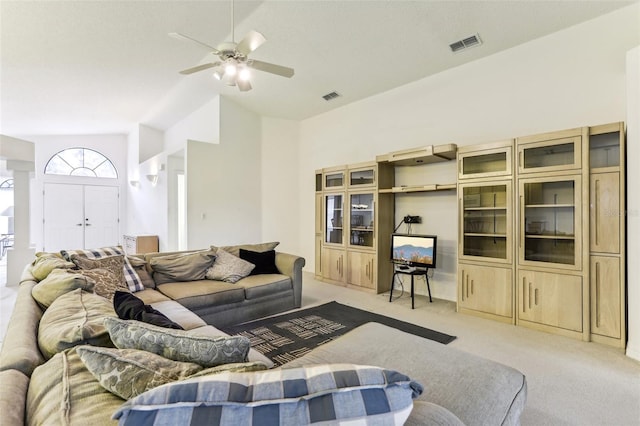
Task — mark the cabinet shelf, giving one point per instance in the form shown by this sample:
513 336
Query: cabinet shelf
487 235
418 188
551 237
362 229
485 208
546 206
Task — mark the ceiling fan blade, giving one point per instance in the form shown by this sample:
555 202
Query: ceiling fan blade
250 42
201 44
244 85
271 68
199 68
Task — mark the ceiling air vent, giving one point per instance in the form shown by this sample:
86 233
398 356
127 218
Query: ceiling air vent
466 43
331 96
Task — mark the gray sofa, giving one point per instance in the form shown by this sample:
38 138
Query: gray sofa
459 388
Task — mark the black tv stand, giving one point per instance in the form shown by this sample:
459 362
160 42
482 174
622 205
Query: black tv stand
412 271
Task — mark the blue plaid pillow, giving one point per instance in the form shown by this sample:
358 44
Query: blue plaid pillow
323 393
134 283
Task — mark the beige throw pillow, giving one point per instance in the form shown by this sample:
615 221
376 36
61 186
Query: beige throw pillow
228 268
182 267
59 282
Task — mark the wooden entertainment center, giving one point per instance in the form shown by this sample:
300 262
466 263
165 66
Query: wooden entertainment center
541 228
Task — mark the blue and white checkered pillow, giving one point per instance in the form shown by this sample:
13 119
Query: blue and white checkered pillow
324 393
130 275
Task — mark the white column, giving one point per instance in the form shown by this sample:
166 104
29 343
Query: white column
633 202
21 253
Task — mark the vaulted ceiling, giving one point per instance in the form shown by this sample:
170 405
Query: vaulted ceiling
87 67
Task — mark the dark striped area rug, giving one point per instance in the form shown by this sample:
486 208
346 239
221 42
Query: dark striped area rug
285 337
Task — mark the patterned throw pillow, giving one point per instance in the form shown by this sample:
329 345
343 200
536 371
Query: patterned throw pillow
229 268
178 345
234 367
130 372
140 265
57 283
106 271
131 277
323 393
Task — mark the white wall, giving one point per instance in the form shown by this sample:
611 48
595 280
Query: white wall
114 147
633 202
280 184
572 78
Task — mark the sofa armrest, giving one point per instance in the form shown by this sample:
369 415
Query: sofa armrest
13 397
20 349
291 265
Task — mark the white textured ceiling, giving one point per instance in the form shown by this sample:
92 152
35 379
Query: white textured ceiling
86 67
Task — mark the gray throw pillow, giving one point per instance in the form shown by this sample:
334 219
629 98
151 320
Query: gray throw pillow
183 267
228 268
178 345
130 372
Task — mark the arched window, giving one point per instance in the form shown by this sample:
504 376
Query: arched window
80 162
7 184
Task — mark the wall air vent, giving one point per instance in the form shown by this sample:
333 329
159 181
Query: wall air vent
466 43
331 96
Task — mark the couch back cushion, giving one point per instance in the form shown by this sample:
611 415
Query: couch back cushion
60 282
181 267
75 318
63 392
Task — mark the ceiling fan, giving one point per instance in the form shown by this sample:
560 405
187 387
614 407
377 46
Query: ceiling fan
233 64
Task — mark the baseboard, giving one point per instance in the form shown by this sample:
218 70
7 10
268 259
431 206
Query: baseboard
633 353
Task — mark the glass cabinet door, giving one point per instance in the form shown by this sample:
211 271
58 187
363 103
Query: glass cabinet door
552 155
333 204
334 180
485 163
550 216
362 219
486 221
362 177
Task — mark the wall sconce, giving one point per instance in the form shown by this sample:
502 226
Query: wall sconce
153 179
134 183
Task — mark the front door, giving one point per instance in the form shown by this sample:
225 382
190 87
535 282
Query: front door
80 216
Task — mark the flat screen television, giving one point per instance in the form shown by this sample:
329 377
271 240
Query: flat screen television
414 250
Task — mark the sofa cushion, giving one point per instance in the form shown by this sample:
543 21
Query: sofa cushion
177 345
256 286
206 293
149 296
179 314
75 318
327 394
228 268
130 372
259 247
181 267
129 307
47 262
13 393
265 261
59 282
235 367
63 392
143 269
131 277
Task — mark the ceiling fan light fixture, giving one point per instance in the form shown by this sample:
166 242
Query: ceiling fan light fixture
218 72
244 74
231 67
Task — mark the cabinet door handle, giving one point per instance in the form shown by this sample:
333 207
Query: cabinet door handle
461 223
472 287
596 207
462 285
521 223
535 292
467 286
598 294
530 296
524 294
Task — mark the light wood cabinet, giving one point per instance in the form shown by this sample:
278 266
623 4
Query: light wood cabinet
486 289
606 296
604 226
552 152
485 161
350 217
333 264
135 244
361 269
551 299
